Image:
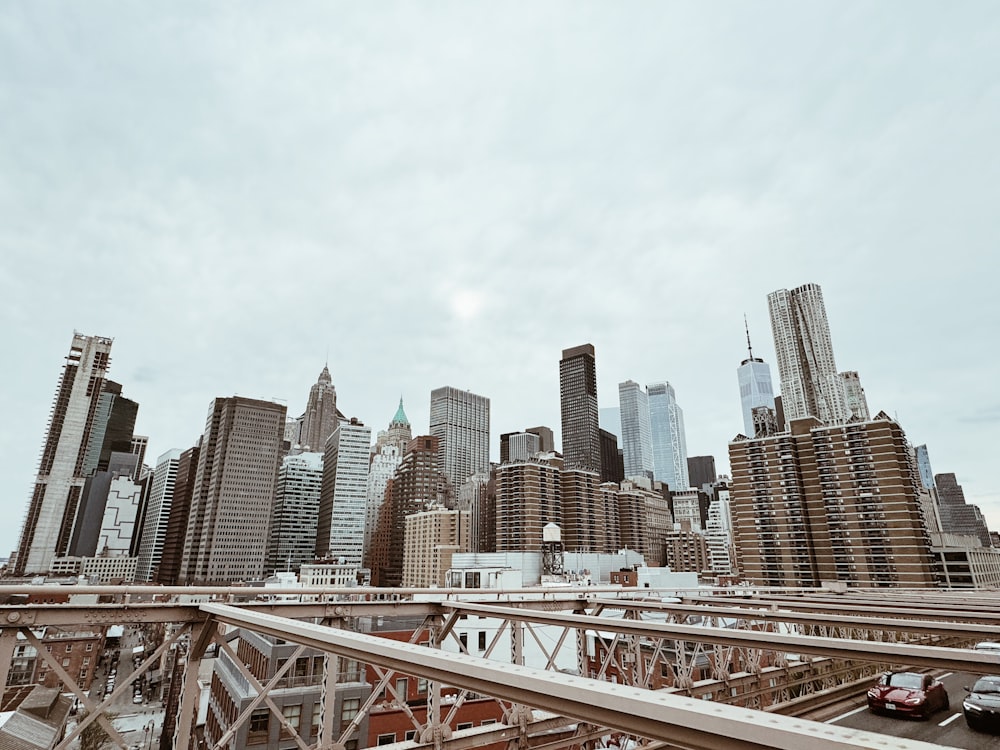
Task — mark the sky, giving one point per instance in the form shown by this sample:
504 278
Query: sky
451 193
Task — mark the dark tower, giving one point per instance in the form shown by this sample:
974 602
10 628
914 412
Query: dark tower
581 440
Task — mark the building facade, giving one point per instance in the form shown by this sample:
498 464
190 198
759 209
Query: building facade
528 497
431 538
157 515
321 417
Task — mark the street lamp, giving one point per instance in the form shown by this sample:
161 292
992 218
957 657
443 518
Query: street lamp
148 729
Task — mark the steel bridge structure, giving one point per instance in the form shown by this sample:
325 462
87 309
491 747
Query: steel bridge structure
696 669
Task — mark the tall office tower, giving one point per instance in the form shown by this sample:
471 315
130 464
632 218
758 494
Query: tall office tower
528 496
701 471
810 384
417 485
169 569
636 434
51 512
431 537
830 503
608 493
112 429
754 377
581 440
855 403
924 466
139 445
612 459
343 502
157 516
292 541
518 446
460 420
226 538
584 524
958 517
321 417
610 419
108 509
666 420
546 439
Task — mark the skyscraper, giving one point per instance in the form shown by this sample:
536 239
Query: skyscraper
169 570
666 421
581 440
321 417
340 533
855 403
386 455
756 390
810 384
292 539
226 538
51 513
636 435
154 525
460 420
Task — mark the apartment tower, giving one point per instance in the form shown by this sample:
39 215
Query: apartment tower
830 503
292 539
810 384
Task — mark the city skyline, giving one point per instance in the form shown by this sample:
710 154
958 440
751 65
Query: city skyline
639 184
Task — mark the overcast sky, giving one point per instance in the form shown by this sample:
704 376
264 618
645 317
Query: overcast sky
450 193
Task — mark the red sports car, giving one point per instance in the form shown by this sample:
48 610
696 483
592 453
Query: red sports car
907 693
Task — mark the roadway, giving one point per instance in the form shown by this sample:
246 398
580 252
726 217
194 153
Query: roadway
946 728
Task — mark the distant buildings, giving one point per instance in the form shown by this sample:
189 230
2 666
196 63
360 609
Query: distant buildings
636 435
157 515
226 537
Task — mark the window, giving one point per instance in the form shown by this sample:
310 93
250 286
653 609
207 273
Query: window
463 638
317 708
410 736
260 720
348 710
386 739
402 689
486 722
90 647
292 715
482 640
65 662
421 685
69 647
464 725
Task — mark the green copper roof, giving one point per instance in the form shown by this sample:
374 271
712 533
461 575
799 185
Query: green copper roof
400 417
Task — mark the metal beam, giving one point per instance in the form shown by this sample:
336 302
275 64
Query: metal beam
678 721
898 653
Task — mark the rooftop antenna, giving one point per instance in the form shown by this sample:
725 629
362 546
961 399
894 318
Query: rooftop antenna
747 327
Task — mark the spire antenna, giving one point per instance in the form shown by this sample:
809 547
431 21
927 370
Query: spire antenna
747 327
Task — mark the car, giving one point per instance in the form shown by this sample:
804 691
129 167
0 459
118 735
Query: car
987 647
907 694
137 699
982 705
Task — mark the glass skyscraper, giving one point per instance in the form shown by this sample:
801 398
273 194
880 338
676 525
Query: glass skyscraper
666 421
